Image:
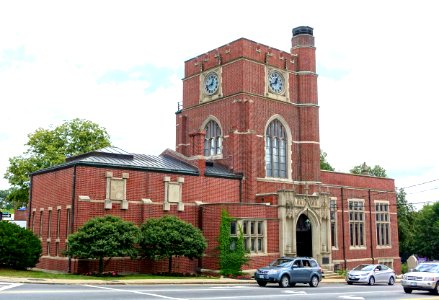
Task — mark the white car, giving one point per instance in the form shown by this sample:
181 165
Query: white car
371 274
424 277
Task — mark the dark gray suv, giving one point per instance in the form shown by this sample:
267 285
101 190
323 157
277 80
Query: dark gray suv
287 271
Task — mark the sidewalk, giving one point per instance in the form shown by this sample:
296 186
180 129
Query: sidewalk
142 281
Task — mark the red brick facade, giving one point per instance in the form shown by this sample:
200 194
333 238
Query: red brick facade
242 106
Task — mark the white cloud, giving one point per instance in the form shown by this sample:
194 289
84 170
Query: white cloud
377 62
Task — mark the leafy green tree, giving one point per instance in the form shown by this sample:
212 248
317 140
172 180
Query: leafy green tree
103 238
19 247
49 147
406 224
232 250
4 203
324 164
170 236
364 169
426 237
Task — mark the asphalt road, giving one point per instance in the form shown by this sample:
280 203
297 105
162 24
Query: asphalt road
20 291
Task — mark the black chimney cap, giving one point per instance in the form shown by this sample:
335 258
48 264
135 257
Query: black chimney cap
302 30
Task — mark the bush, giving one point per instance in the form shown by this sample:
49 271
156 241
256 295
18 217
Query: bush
19 247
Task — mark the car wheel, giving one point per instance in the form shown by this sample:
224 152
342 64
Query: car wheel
314 281
391 280
371 280
436 289
262 283
284 281
350 282
407 291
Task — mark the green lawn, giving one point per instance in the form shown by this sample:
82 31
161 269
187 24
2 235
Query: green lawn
39 274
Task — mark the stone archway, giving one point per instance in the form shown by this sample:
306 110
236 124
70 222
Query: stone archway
304 236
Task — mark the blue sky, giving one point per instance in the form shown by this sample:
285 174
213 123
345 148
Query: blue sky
120 64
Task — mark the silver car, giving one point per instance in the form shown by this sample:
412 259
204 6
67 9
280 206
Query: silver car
371 274
424 277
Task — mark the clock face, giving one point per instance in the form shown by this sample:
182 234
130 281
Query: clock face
276 82
211 83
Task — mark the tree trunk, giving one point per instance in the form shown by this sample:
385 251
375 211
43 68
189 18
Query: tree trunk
170 264
101 265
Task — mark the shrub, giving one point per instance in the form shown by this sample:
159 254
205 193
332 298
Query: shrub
19 247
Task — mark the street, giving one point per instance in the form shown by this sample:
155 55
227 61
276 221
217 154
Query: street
18 291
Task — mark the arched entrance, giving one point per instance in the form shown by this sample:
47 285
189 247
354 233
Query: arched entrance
304 236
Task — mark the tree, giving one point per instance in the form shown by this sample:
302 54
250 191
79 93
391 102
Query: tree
4 203
324 164
406 224
49 147
169 236
426 237
19 247
232 250
376 171
104 237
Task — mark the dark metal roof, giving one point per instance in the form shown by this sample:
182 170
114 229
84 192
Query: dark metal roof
114 157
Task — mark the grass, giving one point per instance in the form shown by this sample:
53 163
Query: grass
46 275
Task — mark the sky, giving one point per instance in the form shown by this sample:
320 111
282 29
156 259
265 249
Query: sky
120 64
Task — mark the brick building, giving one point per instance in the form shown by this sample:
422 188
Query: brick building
247 140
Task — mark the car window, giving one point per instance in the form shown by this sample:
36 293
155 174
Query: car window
313 263
384 268
306 263
298 263
433 268
281 262
364 268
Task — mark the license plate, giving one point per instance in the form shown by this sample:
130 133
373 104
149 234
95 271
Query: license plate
261 276
413 283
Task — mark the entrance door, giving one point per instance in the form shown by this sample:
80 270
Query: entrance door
304 236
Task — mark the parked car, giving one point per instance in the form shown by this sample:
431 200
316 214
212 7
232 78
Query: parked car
371 274
424 277
287 271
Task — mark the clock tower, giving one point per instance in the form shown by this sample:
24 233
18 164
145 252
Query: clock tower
254 109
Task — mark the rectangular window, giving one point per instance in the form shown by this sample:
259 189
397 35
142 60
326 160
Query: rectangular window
382 218
33 221
253 232
356 223
49 221
40 230
58 223
69 225
57 249
333 217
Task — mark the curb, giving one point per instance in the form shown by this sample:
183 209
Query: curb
139 281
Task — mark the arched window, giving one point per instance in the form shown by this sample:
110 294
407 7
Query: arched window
213 139
276 150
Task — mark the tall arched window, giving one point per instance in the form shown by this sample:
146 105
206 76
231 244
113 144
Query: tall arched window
276 150
213 139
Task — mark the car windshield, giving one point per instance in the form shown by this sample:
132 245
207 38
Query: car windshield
364 268
280 262
432 268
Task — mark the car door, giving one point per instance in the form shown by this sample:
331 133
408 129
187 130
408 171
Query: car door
379 274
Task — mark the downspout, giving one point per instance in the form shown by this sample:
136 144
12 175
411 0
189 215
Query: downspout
200 226
72 218
342 229
30 203
370 227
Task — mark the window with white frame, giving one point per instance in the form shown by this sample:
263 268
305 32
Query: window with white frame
382 218
356 223
253 232
213 139
276 141
333 217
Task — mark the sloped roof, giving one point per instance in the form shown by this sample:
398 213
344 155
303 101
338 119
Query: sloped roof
114 157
